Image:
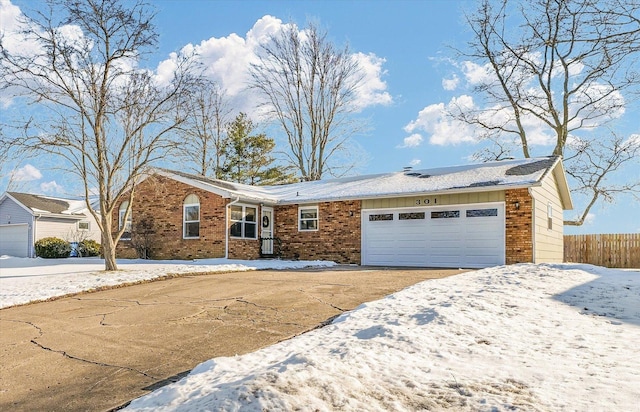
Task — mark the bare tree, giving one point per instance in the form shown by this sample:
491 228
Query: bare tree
207 113
309 86
105 118
561 73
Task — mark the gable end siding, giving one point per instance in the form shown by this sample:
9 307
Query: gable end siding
549 243
12 213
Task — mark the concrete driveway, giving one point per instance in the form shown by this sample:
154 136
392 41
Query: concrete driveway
97 351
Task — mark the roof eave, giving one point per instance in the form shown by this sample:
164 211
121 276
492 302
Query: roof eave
495 188
563 186
59 216
211 188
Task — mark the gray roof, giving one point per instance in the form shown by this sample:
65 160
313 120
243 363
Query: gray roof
488 176
46 204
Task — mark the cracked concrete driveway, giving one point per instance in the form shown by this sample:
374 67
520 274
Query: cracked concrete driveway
99 350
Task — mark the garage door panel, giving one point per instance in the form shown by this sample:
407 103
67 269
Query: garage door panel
451 236
14 240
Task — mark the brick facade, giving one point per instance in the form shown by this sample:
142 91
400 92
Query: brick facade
159 204
157 215
518 226
337 238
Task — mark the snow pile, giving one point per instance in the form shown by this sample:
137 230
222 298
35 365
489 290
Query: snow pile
524 337
24 280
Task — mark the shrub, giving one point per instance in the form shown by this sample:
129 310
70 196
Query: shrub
52 247
89 247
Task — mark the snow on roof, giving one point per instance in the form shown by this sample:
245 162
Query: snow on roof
52 205
488 176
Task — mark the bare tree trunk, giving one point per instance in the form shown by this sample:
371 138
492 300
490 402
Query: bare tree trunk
104 116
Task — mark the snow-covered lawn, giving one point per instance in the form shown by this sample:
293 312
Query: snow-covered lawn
24 280
522 337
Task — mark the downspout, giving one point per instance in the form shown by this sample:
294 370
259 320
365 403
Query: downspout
226 229
32 252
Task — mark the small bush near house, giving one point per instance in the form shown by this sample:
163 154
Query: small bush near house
52 247
89 247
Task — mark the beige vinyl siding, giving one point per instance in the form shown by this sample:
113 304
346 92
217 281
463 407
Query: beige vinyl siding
434 200
548 243
66 229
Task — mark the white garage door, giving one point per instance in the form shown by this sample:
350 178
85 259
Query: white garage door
445 236
14 240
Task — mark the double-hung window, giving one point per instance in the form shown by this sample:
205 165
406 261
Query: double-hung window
191 217
307 218
243 222
122 211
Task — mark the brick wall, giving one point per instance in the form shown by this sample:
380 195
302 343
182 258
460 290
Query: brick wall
519 226
338 237
159 202
246 249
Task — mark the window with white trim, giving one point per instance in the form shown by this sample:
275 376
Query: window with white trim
126 235
83 225
243 222
191 217
549 216
308 218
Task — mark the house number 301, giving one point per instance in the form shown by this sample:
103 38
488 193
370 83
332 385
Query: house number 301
426 201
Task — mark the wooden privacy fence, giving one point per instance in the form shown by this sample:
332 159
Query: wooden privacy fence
611 250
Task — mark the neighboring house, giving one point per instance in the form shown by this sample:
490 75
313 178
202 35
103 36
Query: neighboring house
463 216
26 218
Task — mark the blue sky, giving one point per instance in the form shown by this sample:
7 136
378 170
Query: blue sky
406 47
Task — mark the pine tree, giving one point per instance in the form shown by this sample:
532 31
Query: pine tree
249 158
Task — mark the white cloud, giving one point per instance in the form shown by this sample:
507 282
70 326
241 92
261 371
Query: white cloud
227 61
412 141
415 162
372 91
451 84
26 173
444 130
476 74
51 187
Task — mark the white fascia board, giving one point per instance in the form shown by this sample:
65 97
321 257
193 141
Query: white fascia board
60 216
227 194
196 183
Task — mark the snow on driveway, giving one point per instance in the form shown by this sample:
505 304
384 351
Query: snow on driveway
524 337
24 280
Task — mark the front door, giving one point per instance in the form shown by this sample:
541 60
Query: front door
267 230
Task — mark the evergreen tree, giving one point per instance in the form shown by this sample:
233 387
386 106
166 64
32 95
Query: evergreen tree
248 156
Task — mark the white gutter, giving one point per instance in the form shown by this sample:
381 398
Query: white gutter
226 230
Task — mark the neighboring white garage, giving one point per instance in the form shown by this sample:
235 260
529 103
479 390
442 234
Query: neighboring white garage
471 235
14 240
